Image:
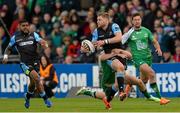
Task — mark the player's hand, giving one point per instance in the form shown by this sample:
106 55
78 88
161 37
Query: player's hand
100 43
44 44
122 55
5 59
159 52
84 49
117 51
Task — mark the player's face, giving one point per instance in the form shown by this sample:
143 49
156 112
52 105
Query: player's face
24 27
137 21
101 22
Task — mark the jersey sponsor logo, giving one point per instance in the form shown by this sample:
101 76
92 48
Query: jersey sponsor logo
117 28
101 36
19 40
134 38
145 35
25 43
31 37
138 32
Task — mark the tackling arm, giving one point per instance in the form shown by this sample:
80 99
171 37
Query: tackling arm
106 56
121 52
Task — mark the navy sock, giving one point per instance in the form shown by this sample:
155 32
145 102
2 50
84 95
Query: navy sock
43 95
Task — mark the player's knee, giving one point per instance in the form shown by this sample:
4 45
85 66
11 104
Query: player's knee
145 80
36 79
151 74
120 68
140 82
32 85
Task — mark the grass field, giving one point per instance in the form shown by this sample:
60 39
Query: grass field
89 105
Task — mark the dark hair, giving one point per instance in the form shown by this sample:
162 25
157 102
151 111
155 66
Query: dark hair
47 59
136 14
104 14
23 21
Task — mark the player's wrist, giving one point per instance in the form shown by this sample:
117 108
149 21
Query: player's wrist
5 56
106 41
46 44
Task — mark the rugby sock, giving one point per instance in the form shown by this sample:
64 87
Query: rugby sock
29 95
90 93
43 95
112 91
146 94
120 80
156 90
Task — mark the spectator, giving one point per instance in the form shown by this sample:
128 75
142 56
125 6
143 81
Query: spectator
46 24
14 26
36 21
32 28
68 60
167 57
150 17
120 16
37 12
85 27
74 50
67 42
176 56
56 36
59 58
48 53
2 39
48 76
6 15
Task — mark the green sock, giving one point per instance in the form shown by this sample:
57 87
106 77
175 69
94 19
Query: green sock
90 93
146 94
156 90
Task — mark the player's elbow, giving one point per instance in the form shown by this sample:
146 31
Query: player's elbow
102 57
129 56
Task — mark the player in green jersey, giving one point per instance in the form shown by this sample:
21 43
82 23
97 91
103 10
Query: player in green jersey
138 38
108 79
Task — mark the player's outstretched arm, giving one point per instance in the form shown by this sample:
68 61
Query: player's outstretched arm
6 53
8 50
104 56
125 53
41 41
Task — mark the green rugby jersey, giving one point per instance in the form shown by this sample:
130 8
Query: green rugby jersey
138 41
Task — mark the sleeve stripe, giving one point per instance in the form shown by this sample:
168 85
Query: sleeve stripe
37 37
126 36
12 41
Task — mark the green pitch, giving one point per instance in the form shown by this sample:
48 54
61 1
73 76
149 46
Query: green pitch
88 105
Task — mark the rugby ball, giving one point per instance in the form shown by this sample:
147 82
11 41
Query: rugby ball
89 45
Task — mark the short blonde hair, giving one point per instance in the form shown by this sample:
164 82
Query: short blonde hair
103 14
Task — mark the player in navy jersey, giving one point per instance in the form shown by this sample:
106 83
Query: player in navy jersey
26 45
108 36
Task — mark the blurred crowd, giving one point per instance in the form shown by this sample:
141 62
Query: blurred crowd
65 23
